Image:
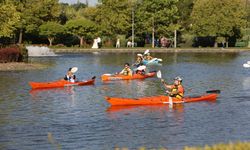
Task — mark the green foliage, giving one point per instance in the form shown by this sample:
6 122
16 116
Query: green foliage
79 6
161 15
217 18
8 18
51 30
185 8
81 28
90 13
220 39
34 13
114 17
187 40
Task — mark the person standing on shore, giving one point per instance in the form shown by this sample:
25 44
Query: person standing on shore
117 43
99 42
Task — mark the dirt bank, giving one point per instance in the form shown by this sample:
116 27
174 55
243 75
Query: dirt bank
20 66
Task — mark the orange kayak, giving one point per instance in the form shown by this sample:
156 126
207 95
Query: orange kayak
109 77
154 100
59 83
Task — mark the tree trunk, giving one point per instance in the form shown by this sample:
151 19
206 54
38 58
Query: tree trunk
226 42
175 38
20 40
81 41
153 37
215 44
50 41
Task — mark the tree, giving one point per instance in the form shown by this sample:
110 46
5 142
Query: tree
34 13
8 18
158 17
185 8
51 30
82 28
114 17
218 18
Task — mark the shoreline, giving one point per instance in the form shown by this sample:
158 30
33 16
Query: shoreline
155 50
21 66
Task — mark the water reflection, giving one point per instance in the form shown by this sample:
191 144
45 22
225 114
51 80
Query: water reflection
80 118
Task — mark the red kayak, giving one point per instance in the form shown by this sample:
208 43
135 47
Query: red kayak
154 100
109 77
60 83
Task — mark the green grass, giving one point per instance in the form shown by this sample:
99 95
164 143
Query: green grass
221 146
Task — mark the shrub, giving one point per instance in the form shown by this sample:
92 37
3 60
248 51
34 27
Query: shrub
13 54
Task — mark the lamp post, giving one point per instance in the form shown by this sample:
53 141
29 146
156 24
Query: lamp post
133 24
247 31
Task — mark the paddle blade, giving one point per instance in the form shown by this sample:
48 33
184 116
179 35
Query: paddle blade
93 77
141 68
158 74
147 51
159 59
74 69
213 91
152 60
246 65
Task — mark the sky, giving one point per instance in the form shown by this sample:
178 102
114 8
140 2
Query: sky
91 2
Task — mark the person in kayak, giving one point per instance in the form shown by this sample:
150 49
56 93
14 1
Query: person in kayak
176 90
70 76
126 71
138 61
148 57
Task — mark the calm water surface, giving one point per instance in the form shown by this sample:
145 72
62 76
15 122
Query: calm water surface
80 118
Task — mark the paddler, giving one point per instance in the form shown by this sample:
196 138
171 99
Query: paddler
148 57
70 76
176 90
138 61
126 71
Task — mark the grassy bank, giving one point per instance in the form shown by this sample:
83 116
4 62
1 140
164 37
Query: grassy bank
157 50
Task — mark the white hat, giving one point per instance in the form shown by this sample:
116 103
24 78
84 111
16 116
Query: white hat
178 78
139 55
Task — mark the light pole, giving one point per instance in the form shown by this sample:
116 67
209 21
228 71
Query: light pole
133 24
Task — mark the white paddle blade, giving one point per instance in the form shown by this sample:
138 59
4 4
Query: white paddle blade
159 59
158 74
246 65
152 60
74 69
141 68
147 51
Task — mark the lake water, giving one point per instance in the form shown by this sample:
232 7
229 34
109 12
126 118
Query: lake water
80 118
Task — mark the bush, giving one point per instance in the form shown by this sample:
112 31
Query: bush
13 54
186 40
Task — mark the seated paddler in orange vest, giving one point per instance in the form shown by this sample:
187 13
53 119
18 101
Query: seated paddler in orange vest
176 90
126 71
